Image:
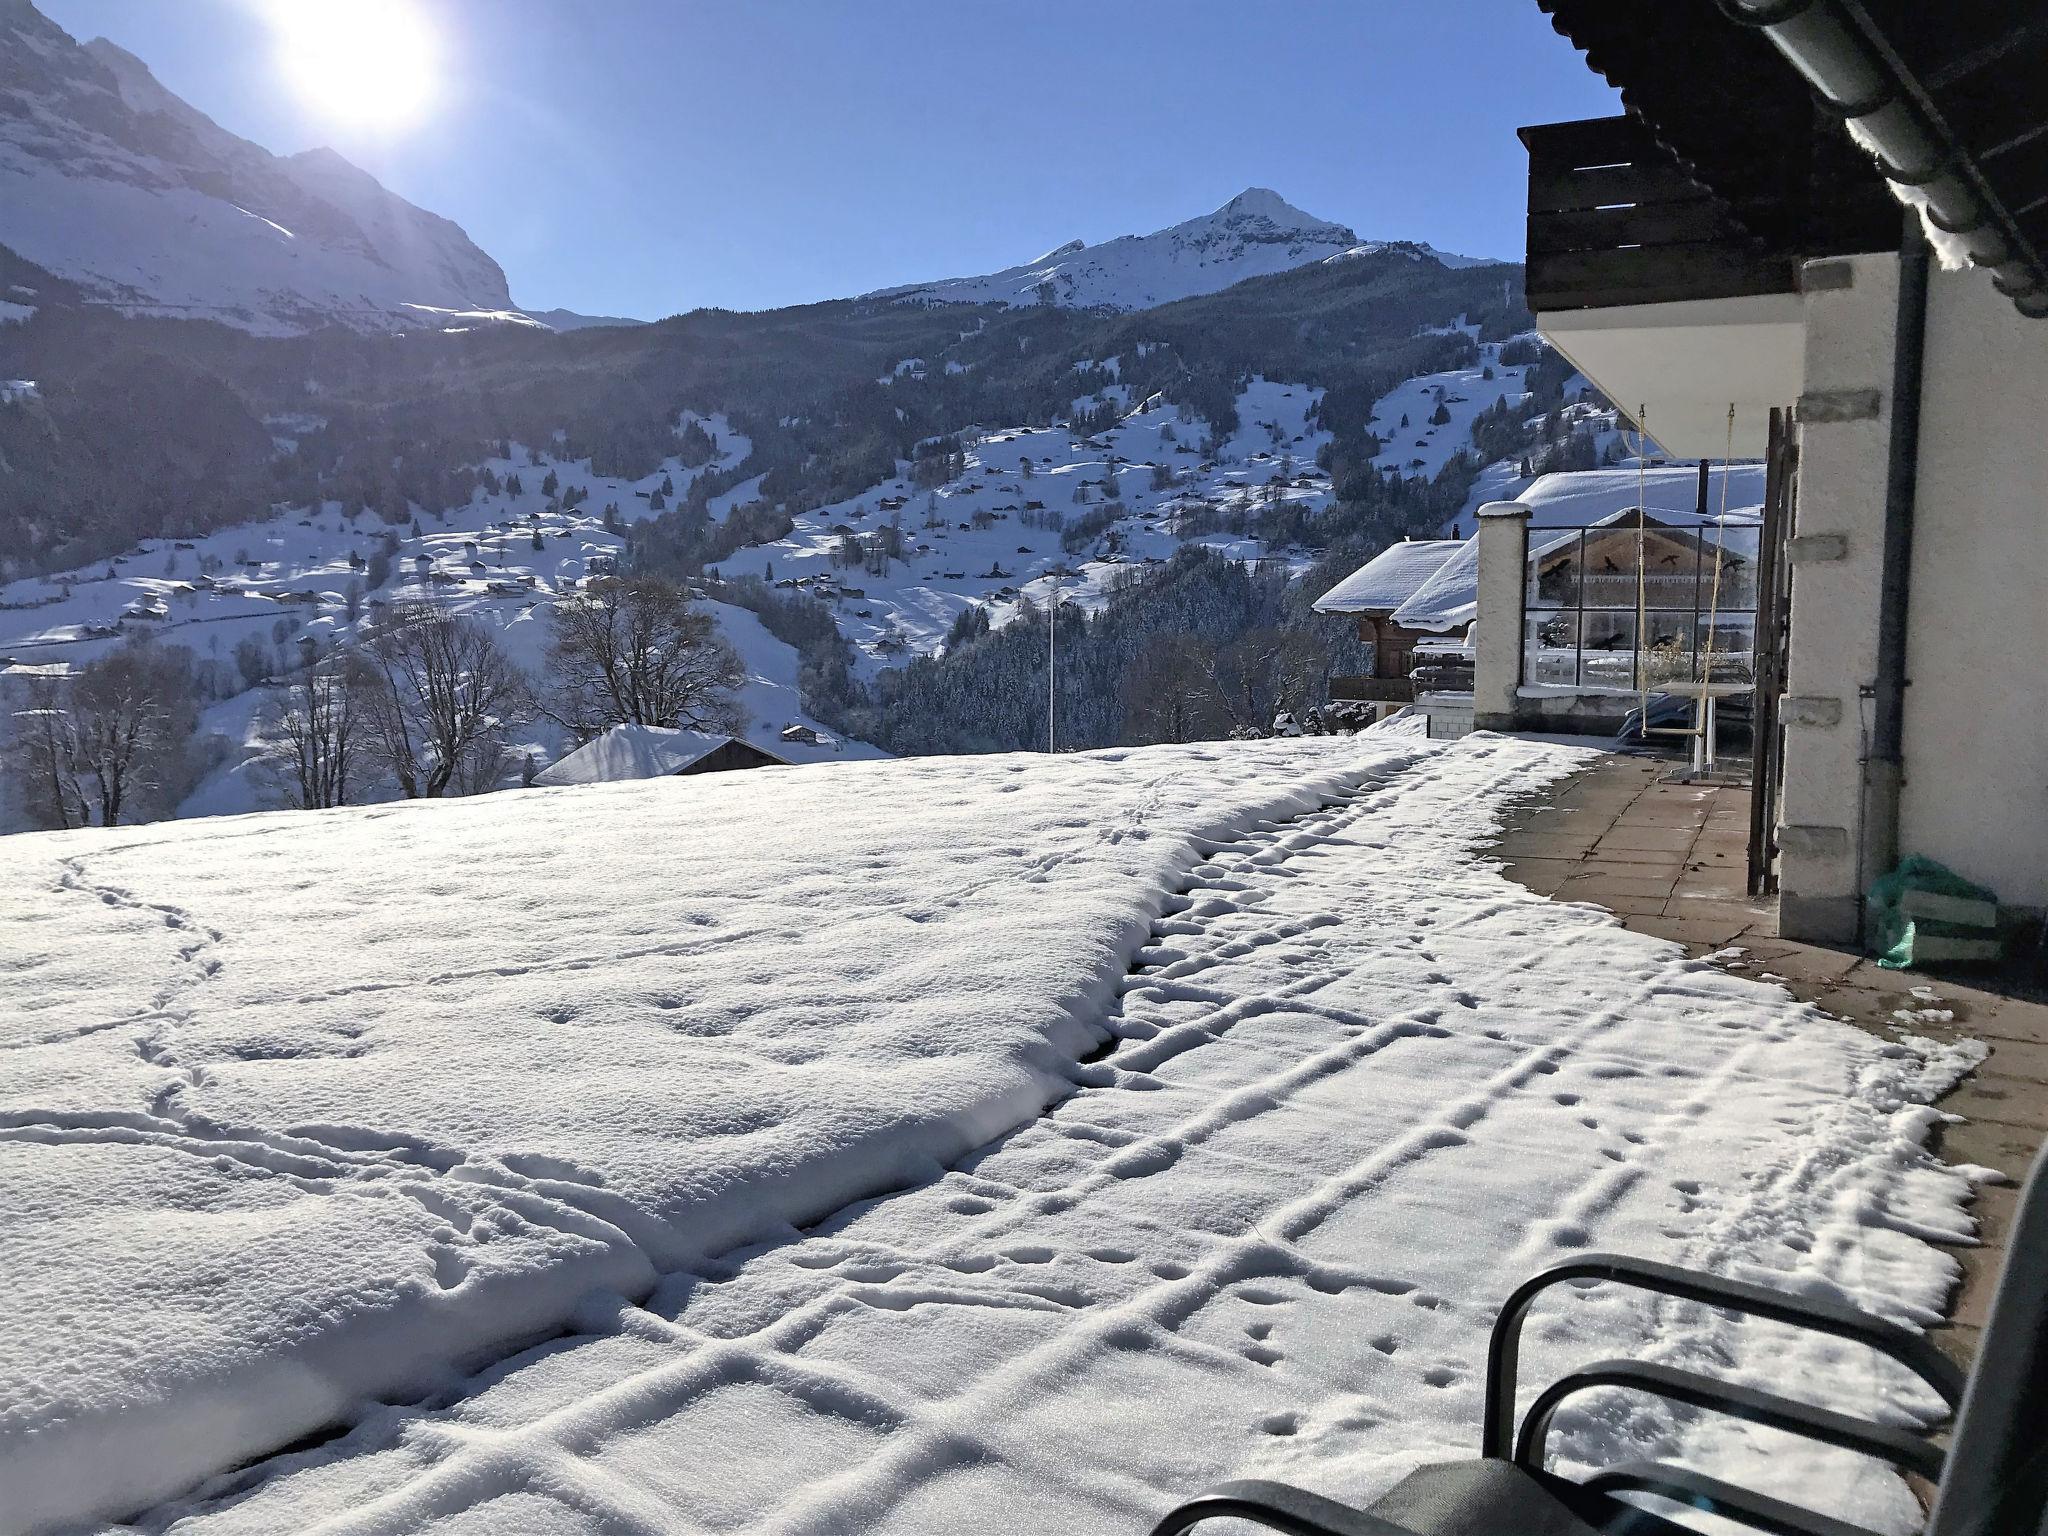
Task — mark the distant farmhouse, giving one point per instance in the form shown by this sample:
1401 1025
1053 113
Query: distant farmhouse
654 752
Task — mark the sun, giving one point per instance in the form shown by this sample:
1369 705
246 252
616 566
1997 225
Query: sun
366 63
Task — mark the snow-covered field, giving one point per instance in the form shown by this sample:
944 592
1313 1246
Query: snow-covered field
309 1114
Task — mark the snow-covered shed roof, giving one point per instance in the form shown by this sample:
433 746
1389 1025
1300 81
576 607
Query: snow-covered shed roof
1389 578
633 752
1450 598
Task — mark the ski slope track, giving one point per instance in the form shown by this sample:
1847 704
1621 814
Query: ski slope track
1253 1090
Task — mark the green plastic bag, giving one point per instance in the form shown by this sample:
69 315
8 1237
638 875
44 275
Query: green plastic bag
1924 913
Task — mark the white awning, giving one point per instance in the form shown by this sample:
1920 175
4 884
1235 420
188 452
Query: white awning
1684 364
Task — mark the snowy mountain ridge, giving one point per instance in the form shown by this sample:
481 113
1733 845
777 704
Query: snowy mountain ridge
116 185
1256 234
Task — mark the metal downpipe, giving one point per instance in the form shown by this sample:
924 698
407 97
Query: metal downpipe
1884 770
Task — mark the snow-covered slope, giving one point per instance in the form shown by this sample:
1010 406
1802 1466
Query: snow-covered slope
1002 528
110 181
1255 234
289 580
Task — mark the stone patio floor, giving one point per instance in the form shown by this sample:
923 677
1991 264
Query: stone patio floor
1670 859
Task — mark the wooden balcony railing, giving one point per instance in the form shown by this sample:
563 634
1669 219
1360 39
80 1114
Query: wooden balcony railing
1373 690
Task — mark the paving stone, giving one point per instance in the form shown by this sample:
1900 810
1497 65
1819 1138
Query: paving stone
1857 1003
1740 913
1530 845
2010 1149
1597 884
1624 860
1543 876
2009 1021
1979 1287
1667 839
1878 978
1706 885
2018 1058
1630 907
1959 1343
1810 965
1686 930
1988 1094
1654 815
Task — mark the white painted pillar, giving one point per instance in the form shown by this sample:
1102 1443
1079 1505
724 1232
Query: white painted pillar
1497 631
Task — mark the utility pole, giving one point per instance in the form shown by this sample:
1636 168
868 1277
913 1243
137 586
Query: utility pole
1052 618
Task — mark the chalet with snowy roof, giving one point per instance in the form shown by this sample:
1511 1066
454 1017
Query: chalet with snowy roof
1372 595
654 752
1819 238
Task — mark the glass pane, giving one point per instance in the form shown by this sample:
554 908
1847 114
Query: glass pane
1732 651
1553 570
1610 565
1550 647
1671 566
1738 548
1609 651
1668 652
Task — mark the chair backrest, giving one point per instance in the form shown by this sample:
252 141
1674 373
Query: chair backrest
1996 1480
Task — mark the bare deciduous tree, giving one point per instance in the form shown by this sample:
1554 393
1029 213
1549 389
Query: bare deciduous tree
636 651
1168 693
1264 671
320 728
111 743
439 692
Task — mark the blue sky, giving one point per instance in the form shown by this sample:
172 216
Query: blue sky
647 156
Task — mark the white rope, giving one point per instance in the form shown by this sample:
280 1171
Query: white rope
1714 607
1642 589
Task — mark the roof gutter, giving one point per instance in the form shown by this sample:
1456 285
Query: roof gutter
1833 46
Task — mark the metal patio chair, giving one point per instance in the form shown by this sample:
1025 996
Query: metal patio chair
1992 1480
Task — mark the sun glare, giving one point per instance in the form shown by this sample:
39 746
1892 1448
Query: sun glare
368 63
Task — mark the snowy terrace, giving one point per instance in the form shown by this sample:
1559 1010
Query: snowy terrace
880 1147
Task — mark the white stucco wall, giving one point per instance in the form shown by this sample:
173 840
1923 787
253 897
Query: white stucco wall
1497 629
1976 793
1976 717
1834 601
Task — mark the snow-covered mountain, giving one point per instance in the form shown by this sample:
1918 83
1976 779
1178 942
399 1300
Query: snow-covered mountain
110 181
1255 234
